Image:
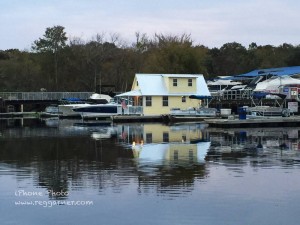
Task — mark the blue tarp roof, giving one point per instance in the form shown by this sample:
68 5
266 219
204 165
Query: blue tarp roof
293 70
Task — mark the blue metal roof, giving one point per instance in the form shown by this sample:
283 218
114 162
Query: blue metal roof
293 70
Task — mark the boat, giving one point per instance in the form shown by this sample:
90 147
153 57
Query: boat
99 110
66 108
277 85
203 110
216 87
50 111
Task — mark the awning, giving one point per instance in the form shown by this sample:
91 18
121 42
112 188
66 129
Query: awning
130 93
201 97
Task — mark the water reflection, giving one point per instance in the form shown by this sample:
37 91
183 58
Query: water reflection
170 157
195 172
66 154
261 147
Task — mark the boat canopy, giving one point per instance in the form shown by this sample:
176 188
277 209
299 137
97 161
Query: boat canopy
272 85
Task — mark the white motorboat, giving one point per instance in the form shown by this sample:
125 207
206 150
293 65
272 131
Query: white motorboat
66 109
99 110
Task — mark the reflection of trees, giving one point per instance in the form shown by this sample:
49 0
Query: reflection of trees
55 163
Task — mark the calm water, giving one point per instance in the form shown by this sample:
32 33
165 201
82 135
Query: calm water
66 172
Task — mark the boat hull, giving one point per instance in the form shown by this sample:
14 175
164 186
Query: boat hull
105 110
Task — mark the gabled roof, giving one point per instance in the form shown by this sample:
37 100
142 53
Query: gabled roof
154 84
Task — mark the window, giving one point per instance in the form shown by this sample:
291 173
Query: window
148 137
183 99
148 101
190 82
175 82
165 101
137 83
165 137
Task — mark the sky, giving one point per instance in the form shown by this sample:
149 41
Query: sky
211 23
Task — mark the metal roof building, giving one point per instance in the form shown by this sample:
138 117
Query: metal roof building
281 71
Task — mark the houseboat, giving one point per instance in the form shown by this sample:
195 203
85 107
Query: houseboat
158 94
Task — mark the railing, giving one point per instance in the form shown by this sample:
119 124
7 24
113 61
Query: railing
133 110
43 95
194 112
234 94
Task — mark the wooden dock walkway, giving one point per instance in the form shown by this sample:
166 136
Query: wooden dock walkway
16 115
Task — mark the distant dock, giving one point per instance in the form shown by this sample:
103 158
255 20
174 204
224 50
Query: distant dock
17 115
230 122
293 121
216 122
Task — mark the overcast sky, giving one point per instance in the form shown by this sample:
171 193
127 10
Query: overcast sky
209 22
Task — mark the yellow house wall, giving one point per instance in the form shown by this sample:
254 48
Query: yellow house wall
134 85
182 85
174 102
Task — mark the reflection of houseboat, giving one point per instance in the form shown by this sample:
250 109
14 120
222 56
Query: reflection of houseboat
165 145
171 153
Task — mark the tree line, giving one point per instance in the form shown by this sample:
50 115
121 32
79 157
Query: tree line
105 63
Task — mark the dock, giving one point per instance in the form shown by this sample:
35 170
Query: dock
16 115
214 122
293 121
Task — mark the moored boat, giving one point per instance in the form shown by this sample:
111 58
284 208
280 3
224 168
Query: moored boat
66 108
99 110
